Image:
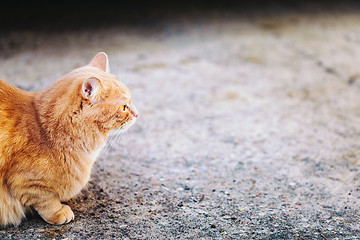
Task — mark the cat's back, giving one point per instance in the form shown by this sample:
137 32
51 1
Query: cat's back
13 103
7 105
15 107
9 93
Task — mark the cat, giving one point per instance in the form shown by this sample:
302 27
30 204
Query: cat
51 138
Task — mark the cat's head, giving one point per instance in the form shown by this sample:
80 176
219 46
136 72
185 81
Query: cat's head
88 98
104 98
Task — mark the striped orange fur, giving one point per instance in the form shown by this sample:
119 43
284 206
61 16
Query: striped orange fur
51 138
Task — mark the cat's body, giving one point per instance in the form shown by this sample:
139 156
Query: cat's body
50 139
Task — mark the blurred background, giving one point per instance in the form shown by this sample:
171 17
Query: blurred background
51 18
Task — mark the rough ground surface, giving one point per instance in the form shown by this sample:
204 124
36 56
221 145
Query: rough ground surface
249 127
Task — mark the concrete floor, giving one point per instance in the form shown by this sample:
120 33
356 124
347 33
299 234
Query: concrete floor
249 127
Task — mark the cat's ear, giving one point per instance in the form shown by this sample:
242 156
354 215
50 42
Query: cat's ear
101 61
91 88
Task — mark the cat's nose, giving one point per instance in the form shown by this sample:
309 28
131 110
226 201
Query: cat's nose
133 111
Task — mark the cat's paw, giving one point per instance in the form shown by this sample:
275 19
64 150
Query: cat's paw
64 215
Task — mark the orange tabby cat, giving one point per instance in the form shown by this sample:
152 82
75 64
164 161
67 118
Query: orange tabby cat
50 139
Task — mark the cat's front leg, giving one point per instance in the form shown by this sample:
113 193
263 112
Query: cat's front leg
53 211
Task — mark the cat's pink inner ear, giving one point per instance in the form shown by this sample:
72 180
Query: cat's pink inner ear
90 88
101 61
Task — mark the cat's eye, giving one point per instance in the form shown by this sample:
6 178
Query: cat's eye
124 107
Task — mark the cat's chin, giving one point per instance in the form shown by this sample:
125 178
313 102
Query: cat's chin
123 128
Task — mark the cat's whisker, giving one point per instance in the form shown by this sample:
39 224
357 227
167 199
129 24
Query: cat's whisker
119 136
105 151
113 140
110 144
121 72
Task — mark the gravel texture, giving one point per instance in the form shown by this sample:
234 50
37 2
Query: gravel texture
249 127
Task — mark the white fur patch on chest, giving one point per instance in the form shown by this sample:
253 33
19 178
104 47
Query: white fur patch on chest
94 154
